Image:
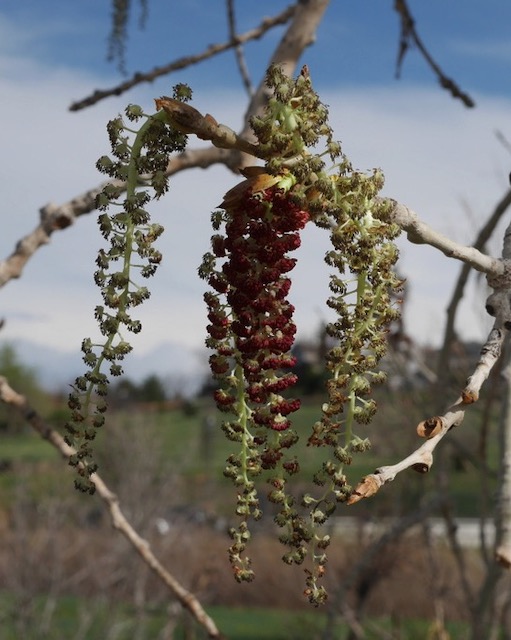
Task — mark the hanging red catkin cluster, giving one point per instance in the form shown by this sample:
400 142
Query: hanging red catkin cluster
256 329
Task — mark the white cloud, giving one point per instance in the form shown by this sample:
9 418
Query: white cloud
432 150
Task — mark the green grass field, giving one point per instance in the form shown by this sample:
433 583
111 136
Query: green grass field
236 623
180 436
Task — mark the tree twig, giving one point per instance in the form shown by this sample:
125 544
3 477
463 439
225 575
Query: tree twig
238 49
503 551
187 119
435 428
409 34
480 242
187 61
54 217
119 521
418 232
498 304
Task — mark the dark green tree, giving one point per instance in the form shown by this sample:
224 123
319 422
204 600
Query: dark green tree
24 379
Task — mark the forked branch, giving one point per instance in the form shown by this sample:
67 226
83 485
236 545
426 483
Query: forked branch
479 243
435 428
187 61
498 304
119 521
409 35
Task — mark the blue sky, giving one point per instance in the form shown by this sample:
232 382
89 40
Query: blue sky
441 159
356 43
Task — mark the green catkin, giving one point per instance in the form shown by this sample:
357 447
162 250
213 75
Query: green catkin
137 157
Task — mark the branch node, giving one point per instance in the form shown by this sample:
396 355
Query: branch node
425 465
503 557
430 427
469 396
367 487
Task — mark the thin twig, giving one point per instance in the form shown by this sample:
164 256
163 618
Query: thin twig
504 141
187 61
434 429
409 34
503 551
238 49
187 119
498 304
119 521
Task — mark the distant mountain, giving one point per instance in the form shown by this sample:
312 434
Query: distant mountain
183 369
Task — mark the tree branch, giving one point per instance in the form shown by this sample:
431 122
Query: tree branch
503 550
57 217
409 33
435 428
238 49
498 304
182 63
187 599
480 242
419 232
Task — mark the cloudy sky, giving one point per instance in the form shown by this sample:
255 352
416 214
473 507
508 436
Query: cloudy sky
440 158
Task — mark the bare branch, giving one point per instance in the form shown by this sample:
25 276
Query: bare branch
240 57
480 242
504 141
187 599
498 304
57 217
187 119
409 34
419 232
503 551
182 63
434 429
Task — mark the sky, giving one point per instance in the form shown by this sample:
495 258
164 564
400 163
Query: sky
441 159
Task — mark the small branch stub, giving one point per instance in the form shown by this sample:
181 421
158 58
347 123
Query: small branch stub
187 119
367 487
430 427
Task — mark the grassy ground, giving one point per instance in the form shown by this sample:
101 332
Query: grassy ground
68 620
201 457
